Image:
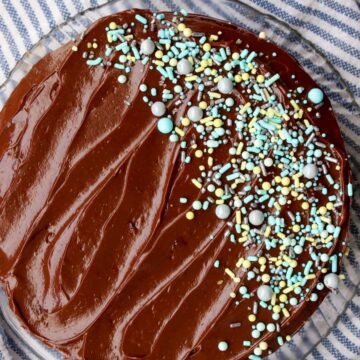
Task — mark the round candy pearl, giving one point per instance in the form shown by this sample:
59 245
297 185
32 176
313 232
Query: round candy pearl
256 217
331 281
225 86
310 171
165 125
316 95
222 211
196 205
264 293
158 108
147 47
268 162
122 79
184 67
195 114
223 345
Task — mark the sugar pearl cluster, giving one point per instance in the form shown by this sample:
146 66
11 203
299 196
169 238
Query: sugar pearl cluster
280 187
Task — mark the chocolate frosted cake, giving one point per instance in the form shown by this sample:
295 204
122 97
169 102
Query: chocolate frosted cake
172 187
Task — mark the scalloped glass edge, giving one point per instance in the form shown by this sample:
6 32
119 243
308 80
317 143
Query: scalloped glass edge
328 314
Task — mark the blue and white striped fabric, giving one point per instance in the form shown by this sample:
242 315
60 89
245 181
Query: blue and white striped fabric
331 26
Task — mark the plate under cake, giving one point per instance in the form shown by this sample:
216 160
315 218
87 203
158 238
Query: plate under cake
172 186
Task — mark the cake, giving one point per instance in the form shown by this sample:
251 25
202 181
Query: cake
172 186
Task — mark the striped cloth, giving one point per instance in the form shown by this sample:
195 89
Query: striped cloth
331 26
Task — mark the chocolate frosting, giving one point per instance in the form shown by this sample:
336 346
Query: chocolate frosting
96 255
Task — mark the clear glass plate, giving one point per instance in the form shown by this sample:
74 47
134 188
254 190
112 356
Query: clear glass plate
17 343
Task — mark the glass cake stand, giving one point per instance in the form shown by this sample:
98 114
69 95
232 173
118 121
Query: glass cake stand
16 342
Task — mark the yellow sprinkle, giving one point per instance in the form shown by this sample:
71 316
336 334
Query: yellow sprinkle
244 108
206 47
263 345
181 27
239 262
109 38
246 264
173 62
199 69
282 136
219 192
252 317
245 76
213 37
237 78
185 121
262 260
230 273
242 239
214 95
252 121
266 185
190 215
219 202
238 217
218 123
286 117
196 183
267 231
283 298
159 54
276 308
203 105
277 205
294 104
325 219
191 78
310 276
158 63
206 119
328 239
232 295
285 312
210 161
245 227
187 32
265 278
112 25
179 131
305 205
74 48
260 79
239 148
198 153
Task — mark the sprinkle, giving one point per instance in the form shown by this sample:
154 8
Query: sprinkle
270 81
141 19
94 62
350 189
196 183
223 346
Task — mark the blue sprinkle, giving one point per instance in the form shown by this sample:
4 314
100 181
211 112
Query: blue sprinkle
270 81
350 189
141 19
316 95
94 62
